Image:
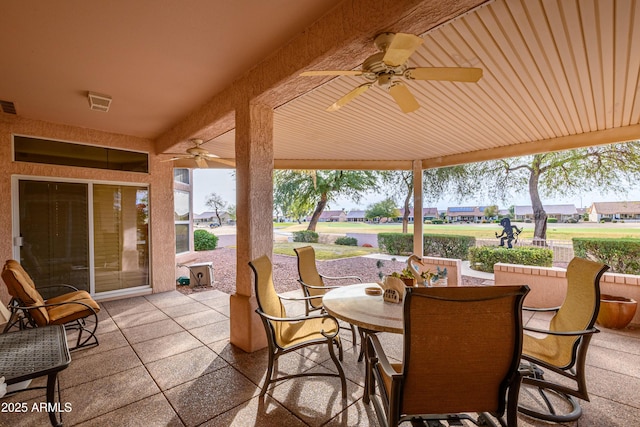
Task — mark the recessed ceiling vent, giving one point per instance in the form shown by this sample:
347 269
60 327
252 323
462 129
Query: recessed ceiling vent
7 107
99 102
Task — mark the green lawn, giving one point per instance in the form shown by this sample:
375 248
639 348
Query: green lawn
487 231
324 252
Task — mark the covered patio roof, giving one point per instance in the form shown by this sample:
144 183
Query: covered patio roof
556 75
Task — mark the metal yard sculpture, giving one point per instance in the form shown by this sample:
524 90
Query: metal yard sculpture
509 233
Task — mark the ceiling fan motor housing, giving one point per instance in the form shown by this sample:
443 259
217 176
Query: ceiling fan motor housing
374 66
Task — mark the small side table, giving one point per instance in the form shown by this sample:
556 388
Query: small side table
33 353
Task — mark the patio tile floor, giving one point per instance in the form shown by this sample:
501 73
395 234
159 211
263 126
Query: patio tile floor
166 360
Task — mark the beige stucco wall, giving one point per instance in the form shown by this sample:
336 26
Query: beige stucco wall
159 179
549 284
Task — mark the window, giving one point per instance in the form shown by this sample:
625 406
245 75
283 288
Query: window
181 216
35 150
181 175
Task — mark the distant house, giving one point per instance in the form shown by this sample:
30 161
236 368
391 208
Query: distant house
355 216
562 213
331 216
210 217
427 214
618 211
466 214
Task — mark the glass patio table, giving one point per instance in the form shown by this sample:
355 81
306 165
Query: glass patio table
33 353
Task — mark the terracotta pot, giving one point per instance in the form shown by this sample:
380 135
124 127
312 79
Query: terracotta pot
409 281
616 312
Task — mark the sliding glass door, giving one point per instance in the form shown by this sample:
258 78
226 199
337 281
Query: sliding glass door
92 236
120 237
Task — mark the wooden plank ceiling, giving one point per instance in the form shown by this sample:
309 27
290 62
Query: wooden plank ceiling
557 75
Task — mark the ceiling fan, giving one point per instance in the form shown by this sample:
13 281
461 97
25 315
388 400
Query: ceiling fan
390 64
200 155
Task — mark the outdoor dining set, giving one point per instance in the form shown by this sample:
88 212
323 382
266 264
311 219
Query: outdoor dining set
465 355
466 351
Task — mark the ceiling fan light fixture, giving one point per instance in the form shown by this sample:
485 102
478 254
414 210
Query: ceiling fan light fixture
99 102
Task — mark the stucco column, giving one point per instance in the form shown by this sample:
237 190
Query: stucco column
254 225
418 220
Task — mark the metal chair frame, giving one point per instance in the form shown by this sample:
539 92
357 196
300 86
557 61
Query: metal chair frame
390 404
533 368
21 312
309 303
275 350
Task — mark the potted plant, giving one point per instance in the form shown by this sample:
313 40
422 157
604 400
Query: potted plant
406 275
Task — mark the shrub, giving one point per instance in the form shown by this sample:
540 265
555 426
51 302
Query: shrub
306 236
622 255
366 245
442 245
448 246
204 241
396 243
483 258
552 220
437 221
347 241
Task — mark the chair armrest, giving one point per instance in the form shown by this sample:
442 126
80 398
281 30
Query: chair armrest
381 356
303 319
32 307
542 310
60 285
563 333
341 277
299 298
320 288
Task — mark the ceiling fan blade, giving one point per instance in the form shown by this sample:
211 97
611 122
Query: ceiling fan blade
404 98
176 157
227 162
349 97
401 48
201 162
210 156
451 74
332 73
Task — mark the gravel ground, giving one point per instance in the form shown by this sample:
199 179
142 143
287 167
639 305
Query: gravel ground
285 271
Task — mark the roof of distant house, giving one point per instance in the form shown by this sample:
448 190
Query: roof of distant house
465 210
355 214
425 212
549 209
616 207
208 214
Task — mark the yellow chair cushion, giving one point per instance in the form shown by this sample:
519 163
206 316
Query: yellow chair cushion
300 332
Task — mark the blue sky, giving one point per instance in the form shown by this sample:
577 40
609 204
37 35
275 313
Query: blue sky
221 181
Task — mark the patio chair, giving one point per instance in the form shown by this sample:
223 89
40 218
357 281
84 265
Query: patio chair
76 310
461 354
563 349
313 285
286 334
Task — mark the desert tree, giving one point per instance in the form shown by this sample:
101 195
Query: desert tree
302 189
383 209
215 202
608 168
399 186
